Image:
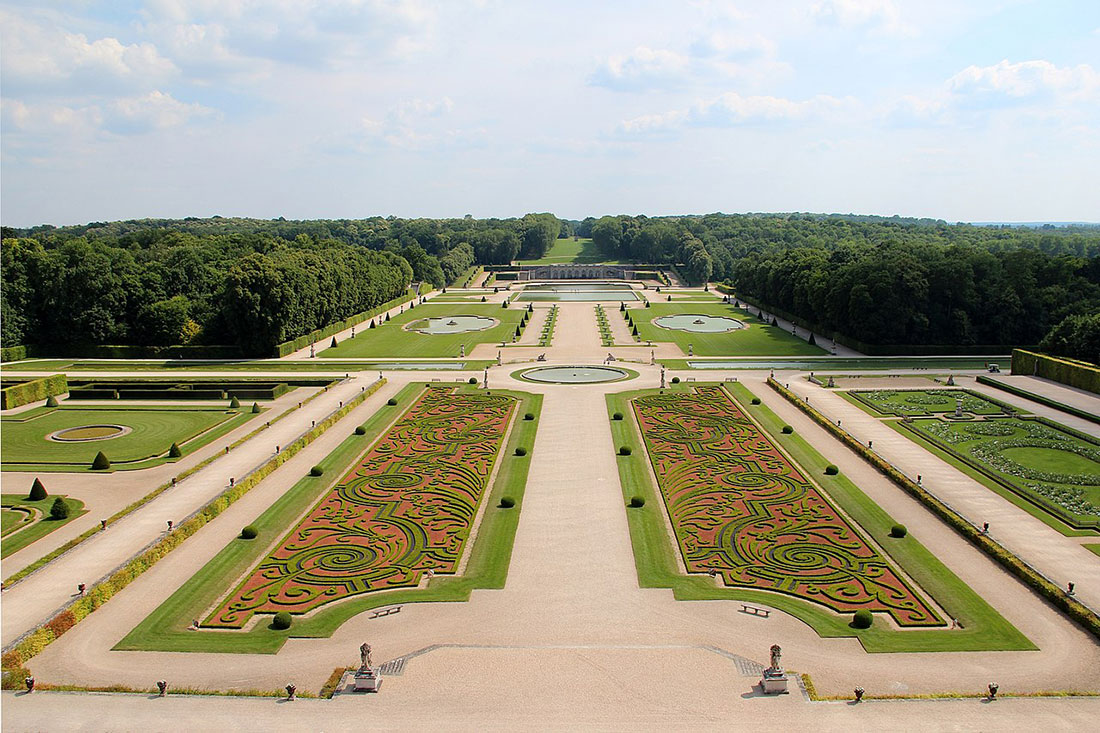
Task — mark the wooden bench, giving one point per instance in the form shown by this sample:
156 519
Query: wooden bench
754 611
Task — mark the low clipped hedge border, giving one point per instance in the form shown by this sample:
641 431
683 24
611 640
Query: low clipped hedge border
1067 371
58 552
33 390
104 590
289 347
1069 605
13 353
1048 402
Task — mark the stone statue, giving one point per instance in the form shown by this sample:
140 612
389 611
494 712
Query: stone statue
364 656
777 653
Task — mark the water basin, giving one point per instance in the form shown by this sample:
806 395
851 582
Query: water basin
452 324
697 323
574 374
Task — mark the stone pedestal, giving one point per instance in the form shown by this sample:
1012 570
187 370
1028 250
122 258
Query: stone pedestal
774 682
367 680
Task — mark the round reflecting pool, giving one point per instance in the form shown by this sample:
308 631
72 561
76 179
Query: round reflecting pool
452 324
86 433
697 323
575 374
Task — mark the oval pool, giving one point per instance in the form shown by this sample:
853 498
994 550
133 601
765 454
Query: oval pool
574 374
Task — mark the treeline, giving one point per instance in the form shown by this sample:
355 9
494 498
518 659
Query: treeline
250 291
924 293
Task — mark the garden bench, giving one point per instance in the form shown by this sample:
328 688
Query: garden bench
754 611
385 611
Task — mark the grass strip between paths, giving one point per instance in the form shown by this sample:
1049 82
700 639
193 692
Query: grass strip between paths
1070 606
102 591
165 629
655 559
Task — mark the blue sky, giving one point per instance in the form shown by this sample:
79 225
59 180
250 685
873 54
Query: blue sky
973 111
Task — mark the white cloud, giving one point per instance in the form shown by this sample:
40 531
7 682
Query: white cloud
868 14
416 124
643 68
732 110
39 59
154 111
1026 80
1037 88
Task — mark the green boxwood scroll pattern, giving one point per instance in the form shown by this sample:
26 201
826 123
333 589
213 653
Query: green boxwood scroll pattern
741 509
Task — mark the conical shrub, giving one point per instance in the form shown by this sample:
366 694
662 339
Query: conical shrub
38 490
234 403
174 451
101 462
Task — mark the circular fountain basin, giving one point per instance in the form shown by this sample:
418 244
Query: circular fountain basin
575 374
452 324
697 323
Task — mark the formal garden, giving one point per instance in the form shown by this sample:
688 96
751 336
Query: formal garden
732 484
31 516
746 335
425 331
393 529
923 402
71 437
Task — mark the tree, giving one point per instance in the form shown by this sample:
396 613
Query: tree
38 490
59 509
1076 336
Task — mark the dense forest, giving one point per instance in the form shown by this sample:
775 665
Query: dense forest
253 283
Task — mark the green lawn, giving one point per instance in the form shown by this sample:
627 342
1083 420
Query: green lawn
836 363
1095 548
758 339
1053 468
391 339
153 430
21 528
983 628
166 628
568 251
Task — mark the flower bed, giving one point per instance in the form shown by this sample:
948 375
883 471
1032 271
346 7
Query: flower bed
741 509
406 508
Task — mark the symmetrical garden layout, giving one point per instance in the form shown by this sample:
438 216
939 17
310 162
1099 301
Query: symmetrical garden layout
1046 464
741 509
407 507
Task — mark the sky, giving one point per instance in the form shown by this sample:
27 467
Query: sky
983 110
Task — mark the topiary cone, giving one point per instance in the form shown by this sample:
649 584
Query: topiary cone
255 408
234 403
174 451
38 491
101 462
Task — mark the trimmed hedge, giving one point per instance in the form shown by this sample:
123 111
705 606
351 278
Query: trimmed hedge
104 590
1067 371
506 502
101 462
13 353
282 621
1056 595
637 501
862 620
289 347
249 532
317 471
625 450
521 451
33 390
898 531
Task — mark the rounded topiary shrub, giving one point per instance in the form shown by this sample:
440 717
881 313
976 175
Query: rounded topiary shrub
281 621
174 451
637 501
787 430
59 510
831 470
249 532
255 408
360 430
755 400
898 530
521 451
472 380
234 403
391 402
101 462
528 416
625 450
862 620
675 380
316 470
38 490
506 502
617 416
51 401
